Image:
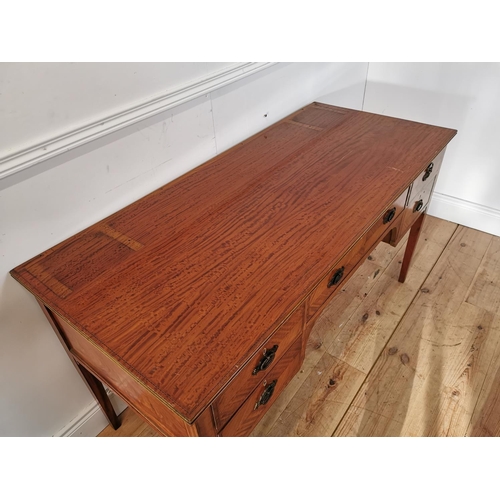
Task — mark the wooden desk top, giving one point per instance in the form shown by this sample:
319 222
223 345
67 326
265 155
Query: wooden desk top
183 286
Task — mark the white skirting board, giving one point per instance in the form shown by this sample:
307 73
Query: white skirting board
465 213
91 421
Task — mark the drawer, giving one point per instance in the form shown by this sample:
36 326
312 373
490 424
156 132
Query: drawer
264 395
420 193
424 182
419 201
349 262
415 207
257 368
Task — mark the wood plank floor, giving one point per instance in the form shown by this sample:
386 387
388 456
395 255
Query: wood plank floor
389 359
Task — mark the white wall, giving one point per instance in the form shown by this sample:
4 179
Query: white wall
40 392
75 94
463 96
52 108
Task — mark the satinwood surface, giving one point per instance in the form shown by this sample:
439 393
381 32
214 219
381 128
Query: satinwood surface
183 286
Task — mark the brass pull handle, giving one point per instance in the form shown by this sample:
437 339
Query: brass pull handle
266 360
337 276
389 215
418 206
428 172
266 395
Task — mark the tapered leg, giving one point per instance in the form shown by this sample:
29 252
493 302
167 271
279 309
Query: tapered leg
94 384
97 389
410 247
306 331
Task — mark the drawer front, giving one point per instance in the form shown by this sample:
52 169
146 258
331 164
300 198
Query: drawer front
420 193
422 185
420 200
416 206
418 203
264 395
349 262
257 369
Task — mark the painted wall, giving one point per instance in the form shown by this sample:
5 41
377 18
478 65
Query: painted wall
40 392
463 96
78 93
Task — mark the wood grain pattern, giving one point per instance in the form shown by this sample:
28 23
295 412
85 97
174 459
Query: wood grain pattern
238 390
485 416
410 246
351 337
420 194
320 403
455 388
484 294
353 258
205 424
94 385
207 267
130 389
485 291
452 393
132 425
365 334
251 412
422 185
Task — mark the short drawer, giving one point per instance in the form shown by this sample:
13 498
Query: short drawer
422 185
418 202
226 404
420 194
349 262
265 393
415 207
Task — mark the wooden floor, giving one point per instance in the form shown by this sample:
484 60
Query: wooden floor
389 359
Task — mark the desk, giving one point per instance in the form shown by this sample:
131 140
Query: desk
194 304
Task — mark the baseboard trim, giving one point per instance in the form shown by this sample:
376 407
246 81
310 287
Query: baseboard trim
466 213
37 153
91 421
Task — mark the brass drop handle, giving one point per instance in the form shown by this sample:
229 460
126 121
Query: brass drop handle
389 215
428 171
418 206
337 276
266 395
266 359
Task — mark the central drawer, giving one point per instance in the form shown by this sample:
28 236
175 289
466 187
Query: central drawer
349 262
257 368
